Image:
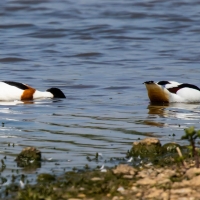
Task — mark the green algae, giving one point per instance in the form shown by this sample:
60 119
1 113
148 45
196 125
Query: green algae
44 177
72 184
151 150
29 156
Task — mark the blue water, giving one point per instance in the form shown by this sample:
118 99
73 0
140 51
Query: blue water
99 53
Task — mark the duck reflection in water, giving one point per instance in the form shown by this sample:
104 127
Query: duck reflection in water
172 111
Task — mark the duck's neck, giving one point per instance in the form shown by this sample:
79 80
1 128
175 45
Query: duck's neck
39 95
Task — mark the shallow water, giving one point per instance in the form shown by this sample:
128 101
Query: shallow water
99 53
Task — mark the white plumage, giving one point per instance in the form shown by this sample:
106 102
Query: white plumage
171 91
9 93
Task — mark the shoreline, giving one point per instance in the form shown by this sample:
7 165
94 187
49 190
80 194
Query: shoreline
123 182
149 180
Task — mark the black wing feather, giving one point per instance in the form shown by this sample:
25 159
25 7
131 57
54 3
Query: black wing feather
16 84
184 85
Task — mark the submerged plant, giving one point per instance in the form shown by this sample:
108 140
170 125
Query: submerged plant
191 135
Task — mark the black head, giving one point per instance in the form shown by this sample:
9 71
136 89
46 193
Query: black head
57 93
149 82
163 82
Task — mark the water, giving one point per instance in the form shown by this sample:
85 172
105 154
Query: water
99 53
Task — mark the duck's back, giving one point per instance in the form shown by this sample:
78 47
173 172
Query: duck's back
11 90
189 94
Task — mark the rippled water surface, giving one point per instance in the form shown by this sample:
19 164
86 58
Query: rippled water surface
99 53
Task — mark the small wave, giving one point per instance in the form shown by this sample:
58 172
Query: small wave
12 59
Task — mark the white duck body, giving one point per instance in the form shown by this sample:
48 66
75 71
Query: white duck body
171 91
11 91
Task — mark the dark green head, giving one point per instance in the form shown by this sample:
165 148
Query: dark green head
57 93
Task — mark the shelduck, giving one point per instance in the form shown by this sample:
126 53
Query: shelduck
171 91
10 91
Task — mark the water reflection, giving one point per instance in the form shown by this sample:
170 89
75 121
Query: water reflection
39 101
157 109
153 123
175 110
11 103
168 114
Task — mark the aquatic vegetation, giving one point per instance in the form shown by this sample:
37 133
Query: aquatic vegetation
72 184
121 182
29 156
44 177
3 166
150 150
191 135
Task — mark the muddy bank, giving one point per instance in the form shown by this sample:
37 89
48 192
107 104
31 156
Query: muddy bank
152 171
122 182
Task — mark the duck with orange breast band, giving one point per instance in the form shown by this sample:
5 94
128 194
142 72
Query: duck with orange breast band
10 91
